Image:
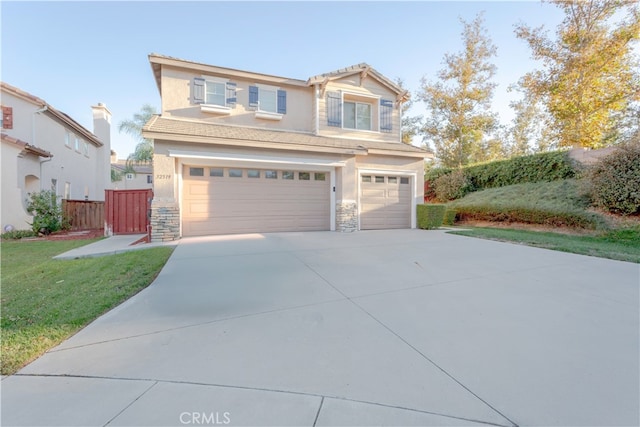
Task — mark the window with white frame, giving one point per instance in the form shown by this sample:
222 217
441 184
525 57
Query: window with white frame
67 139
357 115
129 177
85 149
215 93
268 99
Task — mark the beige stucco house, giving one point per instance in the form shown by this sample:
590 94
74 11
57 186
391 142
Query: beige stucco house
239 152
45 149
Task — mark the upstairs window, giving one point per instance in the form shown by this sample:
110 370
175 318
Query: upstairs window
7 117
349 110
268 99
357 115
215 93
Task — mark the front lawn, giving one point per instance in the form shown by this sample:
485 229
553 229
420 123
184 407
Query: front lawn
622 244
44 301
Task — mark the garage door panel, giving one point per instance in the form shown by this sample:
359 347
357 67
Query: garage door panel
249 205
384 204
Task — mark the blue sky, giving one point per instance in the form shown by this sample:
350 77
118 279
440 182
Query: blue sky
75 54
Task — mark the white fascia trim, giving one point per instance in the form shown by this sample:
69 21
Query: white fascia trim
217 109
362 94
269 160
267 115
413 182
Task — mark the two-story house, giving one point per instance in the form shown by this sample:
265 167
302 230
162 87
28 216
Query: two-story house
45 149
241 152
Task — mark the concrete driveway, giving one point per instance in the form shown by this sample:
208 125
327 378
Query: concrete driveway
404 327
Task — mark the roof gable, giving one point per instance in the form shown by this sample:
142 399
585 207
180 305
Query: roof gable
365 71
57 115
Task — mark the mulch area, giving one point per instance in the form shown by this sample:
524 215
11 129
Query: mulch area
75 235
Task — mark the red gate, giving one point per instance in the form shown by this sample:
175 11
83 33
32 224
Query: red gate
127 211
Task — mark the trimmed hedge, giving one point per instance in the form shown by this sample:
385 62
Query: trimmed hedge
450 216
18 234
531 215
430 216
615 181
548 166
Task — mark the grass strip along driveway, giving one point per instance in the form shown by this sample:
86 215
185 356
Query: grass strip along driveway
622 245
44 301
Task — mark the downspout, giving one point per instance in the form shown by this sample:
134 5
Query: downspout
33 140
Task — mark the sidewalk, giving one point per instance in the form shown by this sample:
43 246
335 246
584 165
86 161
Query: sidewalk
109 246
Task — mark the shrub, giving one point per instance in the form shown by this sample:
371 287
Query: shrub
46 211
18 234
549 166
430 177
451 186
531 215
430 216
449 216
615 181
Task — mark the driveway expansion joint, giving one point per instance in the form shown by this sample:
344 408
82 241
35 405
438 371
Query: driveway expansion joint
156 381
132 402
195 325
424 356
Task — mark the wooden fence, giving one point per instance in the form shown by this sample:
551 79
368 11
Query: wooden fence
127 211
84 214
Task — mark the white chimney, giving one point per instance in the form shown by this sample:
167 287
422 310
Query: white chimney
102 124
102 129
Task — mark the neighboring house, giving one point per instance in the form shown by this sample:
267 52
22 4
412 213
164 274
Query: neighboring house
44 149
241 152
136 177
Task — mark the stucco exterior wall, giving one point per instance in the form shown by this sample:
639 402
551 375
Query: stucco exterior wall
12 210
81 168
177 101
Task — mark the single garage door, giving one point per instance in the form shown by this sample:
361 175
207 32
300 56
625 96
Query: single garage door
220 200
385 202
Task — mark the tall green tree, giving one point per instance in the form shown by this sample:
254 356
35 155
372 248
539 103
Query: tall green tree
144 149
528 132
459 102
590 76
410 125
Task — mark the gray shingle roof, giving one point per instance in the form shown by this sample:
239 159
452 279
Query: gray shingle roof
177 128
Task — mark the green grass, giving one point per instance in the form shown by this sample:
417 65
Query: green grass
623 245
556 203
45 301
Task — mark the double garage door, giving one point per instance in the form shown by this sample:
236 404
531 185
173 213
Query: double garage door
220 200
217 200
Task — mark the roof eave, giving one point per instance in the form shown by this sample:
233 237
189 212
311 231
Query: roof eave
251 143
74 125
157 61
398 153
